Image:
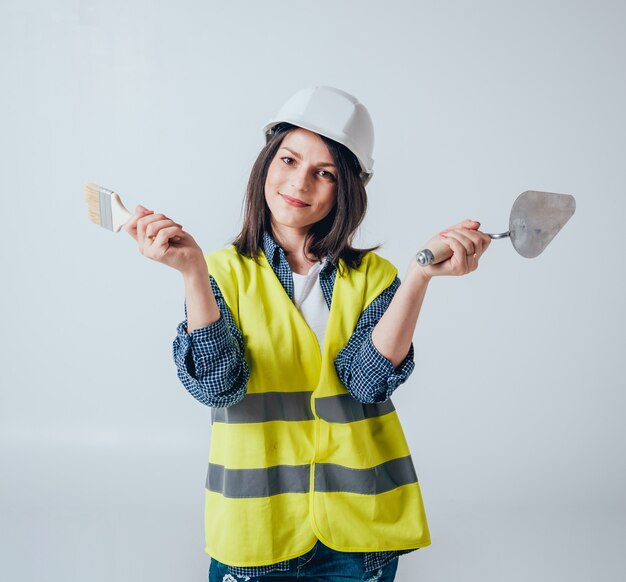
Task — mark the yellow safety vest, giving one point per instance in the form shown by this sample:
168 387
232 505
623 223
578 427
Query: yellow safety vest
299 459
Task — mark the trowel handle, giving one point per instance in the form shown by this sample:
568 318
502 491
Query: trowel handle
437 251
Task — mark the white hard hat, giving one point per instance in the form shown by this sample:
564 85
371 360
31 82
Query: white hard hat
335 114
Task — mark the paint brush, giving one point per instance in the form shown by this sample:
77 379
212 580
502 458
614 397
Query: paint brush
105 207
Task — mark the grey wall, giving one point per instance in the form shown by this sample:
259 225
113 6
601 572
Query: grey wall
514 413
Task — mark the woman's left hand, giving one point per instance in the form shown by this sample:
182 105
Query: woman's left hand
467 244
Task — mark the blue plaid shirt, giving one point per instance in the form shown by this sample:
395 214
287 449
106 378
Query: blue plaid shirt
211 366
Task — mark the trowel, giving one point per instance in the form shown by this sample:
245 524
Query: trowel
536 218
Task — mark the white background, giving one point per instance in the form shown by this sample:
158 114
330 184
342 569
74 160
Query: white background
514 413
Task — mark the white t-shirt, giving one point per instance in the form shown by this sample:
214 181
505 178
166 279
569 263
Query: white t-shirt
309 299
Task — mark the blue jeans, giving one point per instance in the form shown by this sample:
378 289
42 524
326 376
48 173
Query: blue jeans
321 564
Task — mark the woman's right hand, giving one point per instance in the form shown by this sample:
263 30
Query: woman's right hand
467 244
163 240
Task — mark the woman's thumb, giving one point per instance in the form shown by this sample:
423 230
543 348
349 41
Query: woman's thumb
470 224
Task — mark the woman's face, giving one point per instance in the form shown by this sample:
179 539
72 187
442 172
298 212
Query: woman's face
301 184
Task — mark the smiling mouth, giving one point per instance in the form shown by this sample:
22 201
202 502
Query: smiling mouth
293 201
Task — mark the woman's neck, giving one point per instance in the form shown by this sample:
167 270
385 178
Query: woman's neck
292 242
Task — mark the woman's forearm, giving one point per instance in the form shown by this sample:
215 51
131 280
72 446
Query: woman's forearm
202 309
393 334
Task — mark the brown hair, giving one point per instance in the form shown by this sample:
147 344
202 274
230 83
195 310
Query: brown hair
331 236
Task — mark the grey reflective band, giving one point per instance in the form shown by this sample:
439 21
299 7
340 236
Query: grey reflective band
329 478
266 406
258 482
345 408
385 477
296 406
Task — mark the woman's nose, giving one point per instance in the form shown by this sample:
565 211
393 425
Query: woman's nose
300 180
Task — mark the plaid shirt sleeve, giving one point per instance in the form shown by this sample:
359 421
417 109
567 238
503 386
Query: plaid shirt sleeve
367 374
209 360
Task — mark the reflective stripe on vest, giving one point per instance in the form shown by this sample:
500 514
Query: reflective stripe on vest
258 482
296 406
267 406
329 478
345 408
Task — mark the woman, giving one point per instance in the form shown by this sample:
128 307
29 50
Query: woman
297 340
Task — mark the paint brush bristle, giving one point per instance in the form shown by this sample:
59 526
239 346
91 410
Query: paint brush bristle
92 199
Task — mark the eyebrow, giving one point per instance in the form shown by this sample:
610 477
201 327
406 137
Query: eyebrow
297 155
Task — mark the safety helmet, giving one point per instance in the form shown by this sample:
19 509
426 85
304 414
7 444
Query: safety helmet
332 113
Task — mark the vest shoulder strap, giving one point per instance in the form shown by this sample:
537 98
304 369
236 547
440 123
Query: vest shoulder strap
226 267
378 273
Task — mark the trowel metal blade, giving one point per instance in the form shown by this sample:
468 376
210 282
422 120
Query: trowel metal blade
536 218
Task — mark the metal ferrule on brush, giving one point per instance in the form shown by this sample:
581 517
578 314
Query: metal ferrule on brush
106 213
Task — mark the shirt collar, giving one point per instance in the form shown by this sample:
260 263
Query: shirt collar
275 253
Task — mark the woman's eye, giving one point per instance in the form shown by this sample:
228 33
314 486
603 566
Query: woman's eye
285 160
326 174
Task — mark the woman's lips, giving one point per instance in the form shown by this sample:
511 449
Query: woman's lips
293 201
